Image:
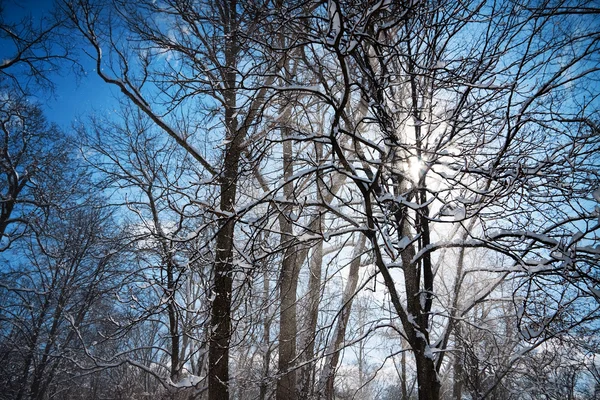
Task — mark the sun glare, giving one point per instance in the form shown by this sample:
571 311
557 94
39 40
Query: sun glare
415 168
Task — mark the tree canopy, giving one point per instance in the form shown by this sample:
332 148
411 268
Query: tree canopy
304 200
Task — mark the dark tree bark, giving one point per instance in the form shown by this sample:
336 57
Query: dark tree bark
290 271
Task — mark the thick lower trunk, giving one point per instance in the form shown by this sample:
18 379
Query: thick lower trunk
286 385
290 270
313 296
266 339
220 318
427 379
457 386
173 322
174 333
220 321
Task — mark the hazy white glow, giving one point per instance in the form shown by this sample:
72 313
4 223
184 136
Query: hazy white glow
415 167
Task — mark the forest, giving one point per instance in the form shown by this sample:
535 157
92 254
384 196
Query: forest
301 200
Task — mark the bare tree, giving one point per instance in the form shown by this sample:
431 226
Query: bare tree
456 135
33 49
52 287
213 69
32 155
169 230
444 156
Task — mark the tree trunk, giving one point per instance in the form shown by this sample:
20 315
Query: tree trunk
174 333
266 338
328 373
286 385
429 385
457 386
403 375
220 320
290 270
313 297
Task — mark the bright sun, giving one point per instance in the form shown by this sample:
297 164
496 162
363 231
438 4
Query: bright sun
415 167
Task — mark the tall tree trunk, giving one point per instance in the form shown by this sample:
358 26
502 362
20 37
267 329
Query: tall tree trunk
266 338
174 333
403 375
286 385
313 296
417 332
457 384
309 334
290 270
220 319
427 379
170 292
327 378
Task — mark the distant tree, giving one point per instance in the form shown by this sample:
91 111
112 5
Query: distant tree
37 168
155 188
53 285
33 49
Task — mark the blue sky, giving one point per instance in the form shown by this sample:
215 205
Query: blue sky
74 100
74 97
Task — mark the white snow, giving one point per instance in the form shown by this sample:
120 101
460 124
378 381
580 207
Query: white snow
404 242
191 235
188 381
334 16
489 82
596 194
530 332
428 352
460 213
520 312
212 297
578 235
